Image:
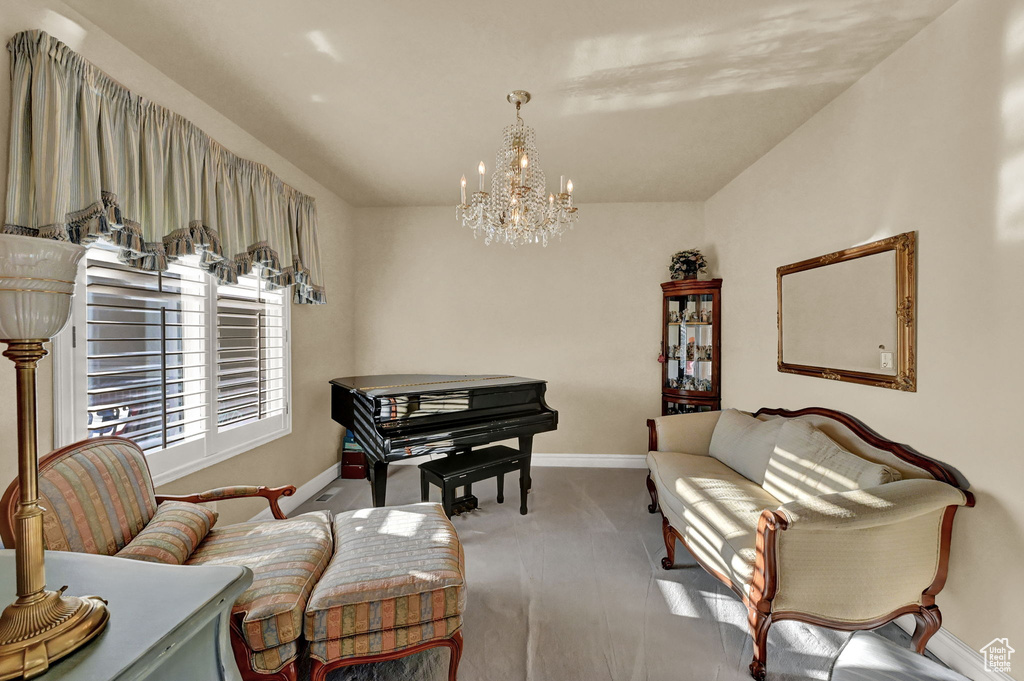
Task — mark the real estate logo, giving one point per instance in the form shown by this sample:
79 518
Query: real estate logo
997 655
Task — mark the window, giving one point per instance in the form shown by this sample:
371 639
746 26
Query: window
192 371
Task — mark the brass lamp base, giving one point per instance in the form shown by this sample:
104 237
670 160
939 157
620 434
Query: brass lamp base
37 631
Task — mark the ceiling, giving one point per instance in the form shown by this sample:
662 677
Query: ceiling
390 102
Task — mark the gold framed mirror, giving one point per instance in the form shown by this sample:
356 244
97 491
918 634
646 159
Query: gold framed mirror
851 315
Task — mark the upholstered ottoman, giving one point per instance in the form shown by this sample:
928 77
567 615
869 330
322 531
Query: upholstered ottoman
395 586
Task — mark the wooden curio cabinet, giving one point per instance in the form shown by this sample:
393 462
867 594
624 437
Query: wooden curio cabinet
691 346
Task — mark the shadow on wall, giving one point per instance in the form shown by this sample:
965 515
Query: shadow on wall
1010 217
806 43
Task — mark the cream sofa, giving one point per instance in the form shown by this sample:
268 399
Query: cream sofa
807 515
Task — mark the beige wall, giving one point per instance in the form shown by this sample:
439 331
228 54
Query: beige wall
321 336
931 140
582 314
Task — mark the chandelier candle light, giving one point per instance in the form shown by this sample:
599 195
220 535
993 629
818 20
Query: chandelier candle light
518 210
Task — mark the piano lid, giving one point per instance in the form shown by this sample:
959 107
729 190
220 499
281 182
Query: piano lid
402 384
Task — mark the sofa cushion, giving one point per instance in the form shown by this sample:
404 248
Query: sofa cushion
286 557
744 443
807 463
714 508
393 567
172 535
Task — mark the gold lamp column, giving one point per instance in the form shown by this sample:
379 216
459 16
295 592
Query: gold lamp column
37 280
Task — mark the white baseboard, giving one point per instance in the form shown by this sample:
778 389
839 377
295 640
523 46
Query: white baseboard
303 493
560 460
591 460
956 654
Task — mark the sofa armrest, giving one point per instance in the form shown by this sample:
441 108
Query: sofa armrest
857 556
689 433
886 504
271 494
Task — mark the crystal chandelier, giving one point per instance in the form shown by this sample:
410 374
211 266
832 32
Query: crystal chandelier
518 210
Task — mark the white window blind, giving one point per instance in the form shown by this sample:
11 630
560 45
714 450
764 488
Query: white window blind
250 352
191 371
145 348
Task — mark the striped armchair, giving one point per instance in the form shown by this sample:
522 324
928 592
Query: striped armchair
99 496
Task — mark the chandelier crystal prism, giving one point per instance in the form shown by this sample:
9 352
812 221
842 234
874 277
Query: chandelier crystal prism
518 210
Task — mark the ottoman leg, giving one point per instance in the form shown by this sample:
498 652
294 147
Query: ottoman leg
424 487
501 488
317 670
456 647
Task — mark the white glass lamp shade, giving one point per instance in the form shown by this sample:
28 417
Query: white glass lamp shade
37 280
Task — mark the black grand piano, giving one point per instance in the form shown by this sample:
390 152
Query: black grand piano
400 415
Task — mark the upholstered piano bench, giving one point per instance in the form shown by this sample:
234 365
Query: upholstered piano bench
395 586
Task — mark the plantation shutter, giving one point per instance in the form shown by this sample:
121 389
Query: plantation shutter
146 351
250 352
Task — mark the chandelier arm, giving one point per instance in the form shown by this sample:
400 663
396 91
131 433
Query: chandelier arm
518 210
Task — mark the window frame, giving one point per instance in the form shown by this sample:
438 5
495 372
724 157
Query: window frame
68 349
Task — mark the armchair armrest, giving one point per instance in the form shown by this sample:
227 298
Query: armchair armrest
886 504
271 494
857 556
688 433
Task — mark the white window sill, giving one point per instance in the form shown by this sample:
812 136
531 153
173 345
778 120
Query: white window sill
195 465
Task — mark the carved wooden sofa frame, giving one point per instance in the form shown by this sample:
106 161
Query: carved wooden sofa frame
9 503
760 613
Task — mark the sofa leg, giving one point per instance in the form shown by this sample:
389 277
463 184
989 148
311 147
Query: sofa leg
653 491
928 619
670 545
759 624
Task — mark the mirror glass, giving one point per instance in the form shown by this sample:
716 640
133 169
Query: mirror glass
842 316
850 315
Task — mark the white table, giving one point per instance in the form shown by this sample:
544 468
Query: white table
167 622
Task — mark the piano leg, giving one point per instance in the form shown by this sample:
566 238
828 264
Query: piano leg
378 481
526 447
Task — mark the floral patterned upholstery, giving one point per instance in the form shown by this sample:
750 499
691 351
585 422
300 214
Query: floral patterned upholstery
286 557
397 579
97 495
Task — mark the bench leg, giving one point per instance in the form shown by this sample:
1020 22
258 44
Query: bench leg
501 488
424 487
524 484
447 498
468 490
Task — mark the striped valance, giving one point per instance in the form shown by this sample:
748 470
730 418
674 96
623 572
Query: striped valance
90 159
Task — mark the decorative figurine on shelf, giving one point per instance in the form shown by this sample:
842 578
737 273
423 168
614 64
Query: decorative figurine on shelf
692 316
673 352
687 264
689 350
673 317
705 316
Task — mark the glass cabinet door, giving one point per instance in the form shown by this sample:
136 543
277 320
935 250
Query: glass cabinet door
689 351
